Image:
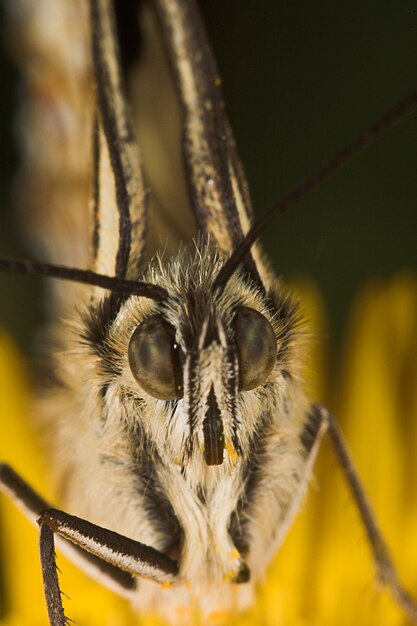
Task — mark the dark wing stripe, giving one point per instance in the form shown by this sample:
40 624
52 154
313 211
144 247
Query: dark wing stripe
217 185
255 470
118 130
22 494
205 157
311 428
238 174
96 191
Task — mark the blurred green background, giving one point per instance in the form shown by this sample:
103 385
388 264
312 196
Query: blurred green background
300 79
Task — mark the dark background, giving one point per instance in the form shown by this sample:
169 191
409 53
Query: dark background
300 79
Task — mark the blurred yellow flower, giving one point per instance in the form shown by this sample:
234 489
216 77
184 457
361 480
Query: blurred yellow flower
323 575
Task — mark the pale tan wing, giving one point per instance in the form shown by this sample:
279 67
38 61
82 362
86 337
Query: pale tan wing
119 233
50 42
61 187
216 180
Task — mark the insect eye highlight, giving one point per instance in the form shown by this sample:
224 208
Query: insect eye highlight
257 347
155 359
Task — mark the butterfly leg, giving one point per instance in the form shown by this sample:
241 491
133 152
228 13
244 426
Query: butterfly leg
384 565
32 505
127 555
104 561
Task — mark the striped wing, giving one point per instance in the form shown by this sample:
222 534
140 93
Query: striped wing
88 191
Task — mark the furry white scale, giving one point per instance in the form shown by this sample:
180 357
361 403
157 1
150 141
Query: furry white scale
103 433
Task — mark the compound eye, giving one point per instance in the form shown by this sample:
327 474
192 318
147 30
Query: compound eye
155 359
257 347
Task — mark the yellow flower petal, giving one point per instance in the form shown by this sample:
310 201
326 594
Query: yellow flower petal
367 407
19 446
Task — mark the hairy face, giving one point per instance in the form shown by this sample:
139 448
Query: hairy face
184 371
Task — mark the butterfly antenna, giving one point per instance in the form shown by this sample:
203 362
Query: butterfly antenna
87 277
312 182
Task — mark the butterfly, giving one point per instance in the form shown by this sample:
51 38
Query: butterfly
192 419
